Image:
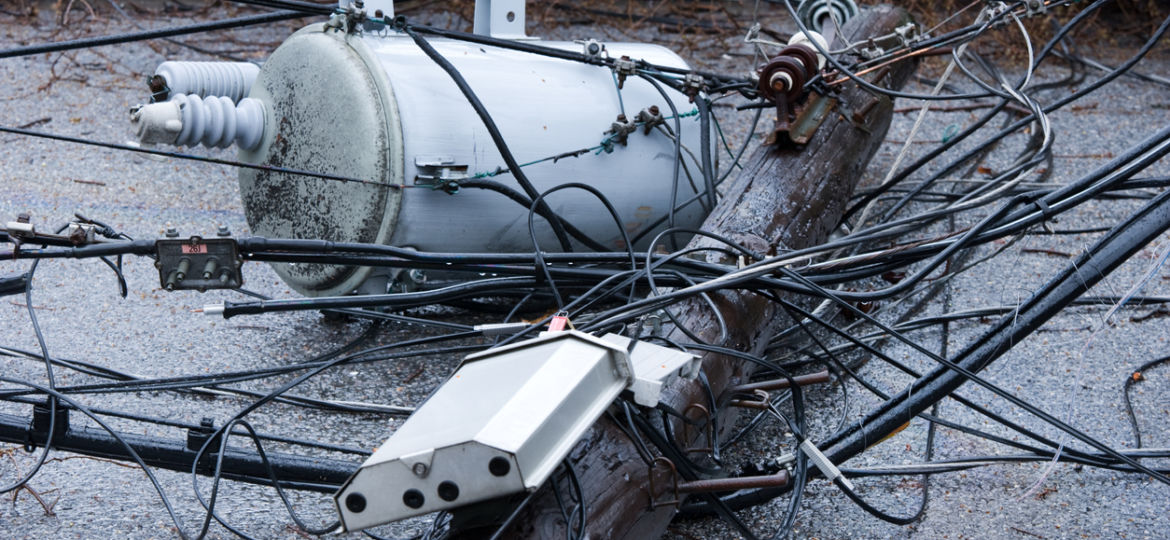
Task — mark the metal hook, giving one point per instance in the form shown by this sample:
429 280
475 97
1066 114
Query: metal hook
676 500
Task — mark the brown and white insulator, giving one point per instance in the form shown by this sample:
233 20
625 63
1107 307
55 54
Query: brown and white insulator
782 79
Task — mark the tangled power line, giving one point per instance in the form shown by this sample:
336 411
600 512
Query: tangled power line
842 301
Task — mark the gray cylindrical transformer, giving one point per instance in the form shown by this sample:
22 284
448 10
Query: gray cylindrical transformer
372 106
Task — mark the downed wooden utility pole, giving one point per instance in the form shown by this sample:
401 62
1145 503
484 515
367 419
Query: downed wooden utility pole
787 196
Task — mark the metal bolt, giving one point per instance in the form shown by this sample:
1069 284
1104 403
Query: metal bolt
419 469
157 83
159 91
448 491
172 233
355 502
413 498
499 466
223 231
23 217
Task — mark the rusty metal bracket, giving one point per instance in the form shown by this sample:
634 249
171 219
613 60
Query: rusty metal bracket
711 485
77 233
761 402
673 478
717 485
819 377
807 118
708 431
624 67
860 117
810 117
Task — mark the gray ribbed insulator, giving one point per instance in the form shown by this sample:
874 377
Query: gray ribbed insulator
217 122
205 79
816 14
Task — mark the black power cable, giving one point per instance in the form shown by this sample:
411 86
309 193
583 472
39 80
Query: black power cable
1138 375
250 20
494 131
1099 260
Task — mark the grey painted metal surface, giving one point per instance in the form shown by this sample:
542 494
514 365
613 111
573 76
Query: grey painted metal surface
330 108
373 107
501 424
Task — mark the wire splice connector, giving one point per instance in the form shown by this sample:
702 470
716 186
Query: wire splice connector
827 468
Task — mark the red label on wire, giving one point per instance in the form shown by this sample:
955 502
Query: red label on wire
194 249
558 323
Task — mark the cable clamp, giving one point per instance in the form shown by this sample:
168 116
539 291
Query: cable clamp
994 13
1045 210
649 117
693 83
758 400
619 133
1035 7
591 48
827 468
624 67
906 33
22 227
786 460
198 437
439 172
42 417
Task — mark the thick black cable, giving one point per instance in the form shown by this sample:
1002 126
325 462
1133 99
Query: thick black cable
676 162
86 43
492 129
708 171
1099 260
1138 375
192 157
539 202
50 378
519 198
129 449
1109 77
308 8
971 129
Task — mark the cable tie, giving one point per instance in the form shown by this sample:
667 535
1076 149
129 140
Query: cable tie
1045 210
950 132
